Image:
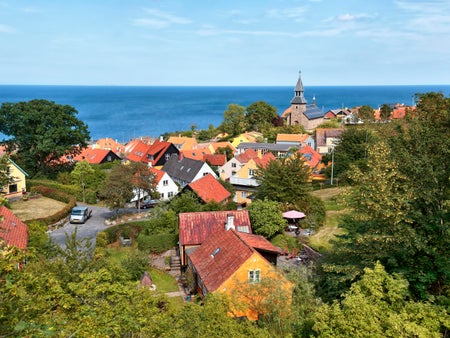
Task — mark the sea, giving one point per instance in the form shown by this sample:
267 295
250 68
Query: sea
127 112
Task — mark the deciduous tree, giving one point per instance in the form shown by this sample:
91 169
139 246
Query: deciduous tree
41 132
266 218
234 122
260 115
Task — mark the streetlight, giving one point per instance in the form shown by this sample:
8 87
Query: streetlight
332 164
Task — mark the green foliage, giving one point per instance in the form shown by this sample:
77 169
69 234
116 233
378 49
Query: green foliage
56 195
156 243
39 240
285 242
283 180
260 115
334 123
314 209
385 112
234 122
5 178
185 202
366 113
383 299
81 175
135 264
266 218
41 132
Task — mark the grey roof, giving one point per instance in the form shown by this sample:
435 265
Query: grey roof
313 112
265 146
299 97
184 169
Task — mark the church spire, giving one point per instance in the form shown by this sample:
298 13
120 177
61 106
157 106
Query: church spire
299 97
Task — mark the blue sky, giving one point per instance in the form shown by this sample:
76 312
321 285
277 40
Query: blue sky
218 42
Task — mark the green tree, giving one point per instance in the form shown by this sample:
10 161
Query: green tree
5 177
266 218
234 122
143 181
378 306
385 112
260 115
118 188
41 132
366 113
284 180
82 174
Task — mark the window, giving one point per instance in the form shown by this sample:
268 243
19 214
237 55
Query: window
204 174
233 165
170 194
244 194
12 188
167 156
254 276
251 172
162 195
165 182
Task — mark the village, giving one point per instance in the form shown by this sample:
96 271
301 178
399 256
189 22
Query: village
218 249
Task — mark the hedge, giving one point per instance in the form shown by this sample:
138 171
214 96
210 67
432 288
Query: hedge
73 190
56 195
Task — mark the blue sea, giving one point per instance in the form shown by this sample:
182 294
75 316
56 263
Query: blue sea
124 113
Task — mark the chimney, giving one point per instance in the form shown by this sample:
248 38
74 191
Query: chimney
230 222
180 156
161 139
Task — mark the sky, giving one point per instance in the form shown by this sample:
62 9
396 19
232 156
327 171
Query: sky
224 42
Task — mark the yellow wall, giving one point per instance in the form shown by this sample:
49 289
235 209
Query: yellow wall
19 179
240 278
243 172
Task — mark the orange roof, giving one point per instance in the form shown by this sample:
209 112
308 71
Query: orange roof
93 156
12 230
247 155
196 154
157 150
158 174
289 138
215 159
286 112
183 143
110 144
209 189
195 227
258 242
137 152
264 160
219 257
311 156
217 145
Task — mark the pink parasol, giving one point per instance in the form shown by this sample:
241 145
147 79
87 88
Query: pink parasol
293 214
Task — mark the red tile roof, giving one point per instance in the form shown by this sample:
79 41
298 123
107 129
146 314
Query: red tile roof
247 155
158 174
196 154
219 257
158 149
209 189
195 227
137 151
258 242
264 161
12 230
311 156
110 144
215 159
92 156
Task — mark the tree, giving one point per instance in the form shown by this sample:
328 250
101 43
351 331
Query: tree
143 181
266 218
366 113
118 187
378 306
42 132
234 122
283 180
82 174
260 115
5 178
385 112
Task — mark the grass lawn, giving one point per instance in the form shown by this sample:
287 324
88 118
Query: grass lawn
322 240
36 208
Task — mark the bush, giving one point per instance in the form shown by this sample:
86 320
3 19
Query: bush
314 208
70 189
135 265
156 243
56 195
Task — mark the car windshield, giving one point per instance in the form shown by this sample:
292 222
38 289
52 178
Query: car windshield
77 212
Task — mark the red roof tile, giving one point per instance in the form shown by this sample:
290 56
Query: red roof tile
209 189
195 227
137 151
311 156
247 155
258 242
264 161
219 257
158 174
12 230
92 156
215 159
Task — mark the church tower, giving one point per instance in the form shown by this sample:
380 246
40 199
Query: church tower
298 103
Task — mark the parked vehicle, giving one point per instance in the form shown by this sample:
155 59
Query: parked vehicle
146 204
80 215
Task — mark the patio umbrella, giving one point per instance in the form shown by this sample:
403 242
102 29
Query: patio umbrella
293 214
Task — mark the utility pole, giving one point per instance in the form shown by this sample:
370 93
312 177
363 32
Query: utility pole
332 164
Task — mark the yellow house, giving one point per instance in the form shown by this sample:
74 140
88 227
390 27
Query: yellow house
251 136
244 180
235 264
18 180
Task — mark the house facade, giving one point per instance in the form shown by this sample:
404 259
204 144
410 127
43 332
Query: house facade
18 180
326 139
165 186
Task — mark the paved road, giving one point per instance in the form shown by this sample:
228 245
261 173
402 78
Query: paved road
89 230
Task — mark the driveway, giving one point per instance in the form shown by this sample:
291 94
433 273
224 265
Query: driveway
88 230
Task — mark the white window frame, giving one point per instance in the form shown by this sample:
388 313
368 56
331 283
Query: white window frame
254 276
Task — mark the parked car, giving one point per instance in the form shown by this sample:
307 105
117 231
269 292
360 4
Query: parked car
80 215
146 204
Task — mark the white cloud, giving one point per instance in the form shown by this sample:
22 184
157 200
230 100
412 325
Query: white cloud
159 19
6 29
295 13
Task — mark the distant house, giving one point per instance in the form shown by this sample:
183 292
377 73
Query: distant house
196 227
244 180
247 137
185 170
208 189
13 231
183 143
165 186
337 113
280 150
300 113
196 154
231 167
155 154
295 140
311 156
109 144
18 180
227 262
96 156
326 139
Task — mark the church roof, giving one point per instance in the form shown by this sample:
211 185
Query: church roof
313 112
299 97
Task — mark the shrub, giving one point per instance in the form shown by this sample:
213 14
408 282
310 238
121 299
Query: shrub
156 243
